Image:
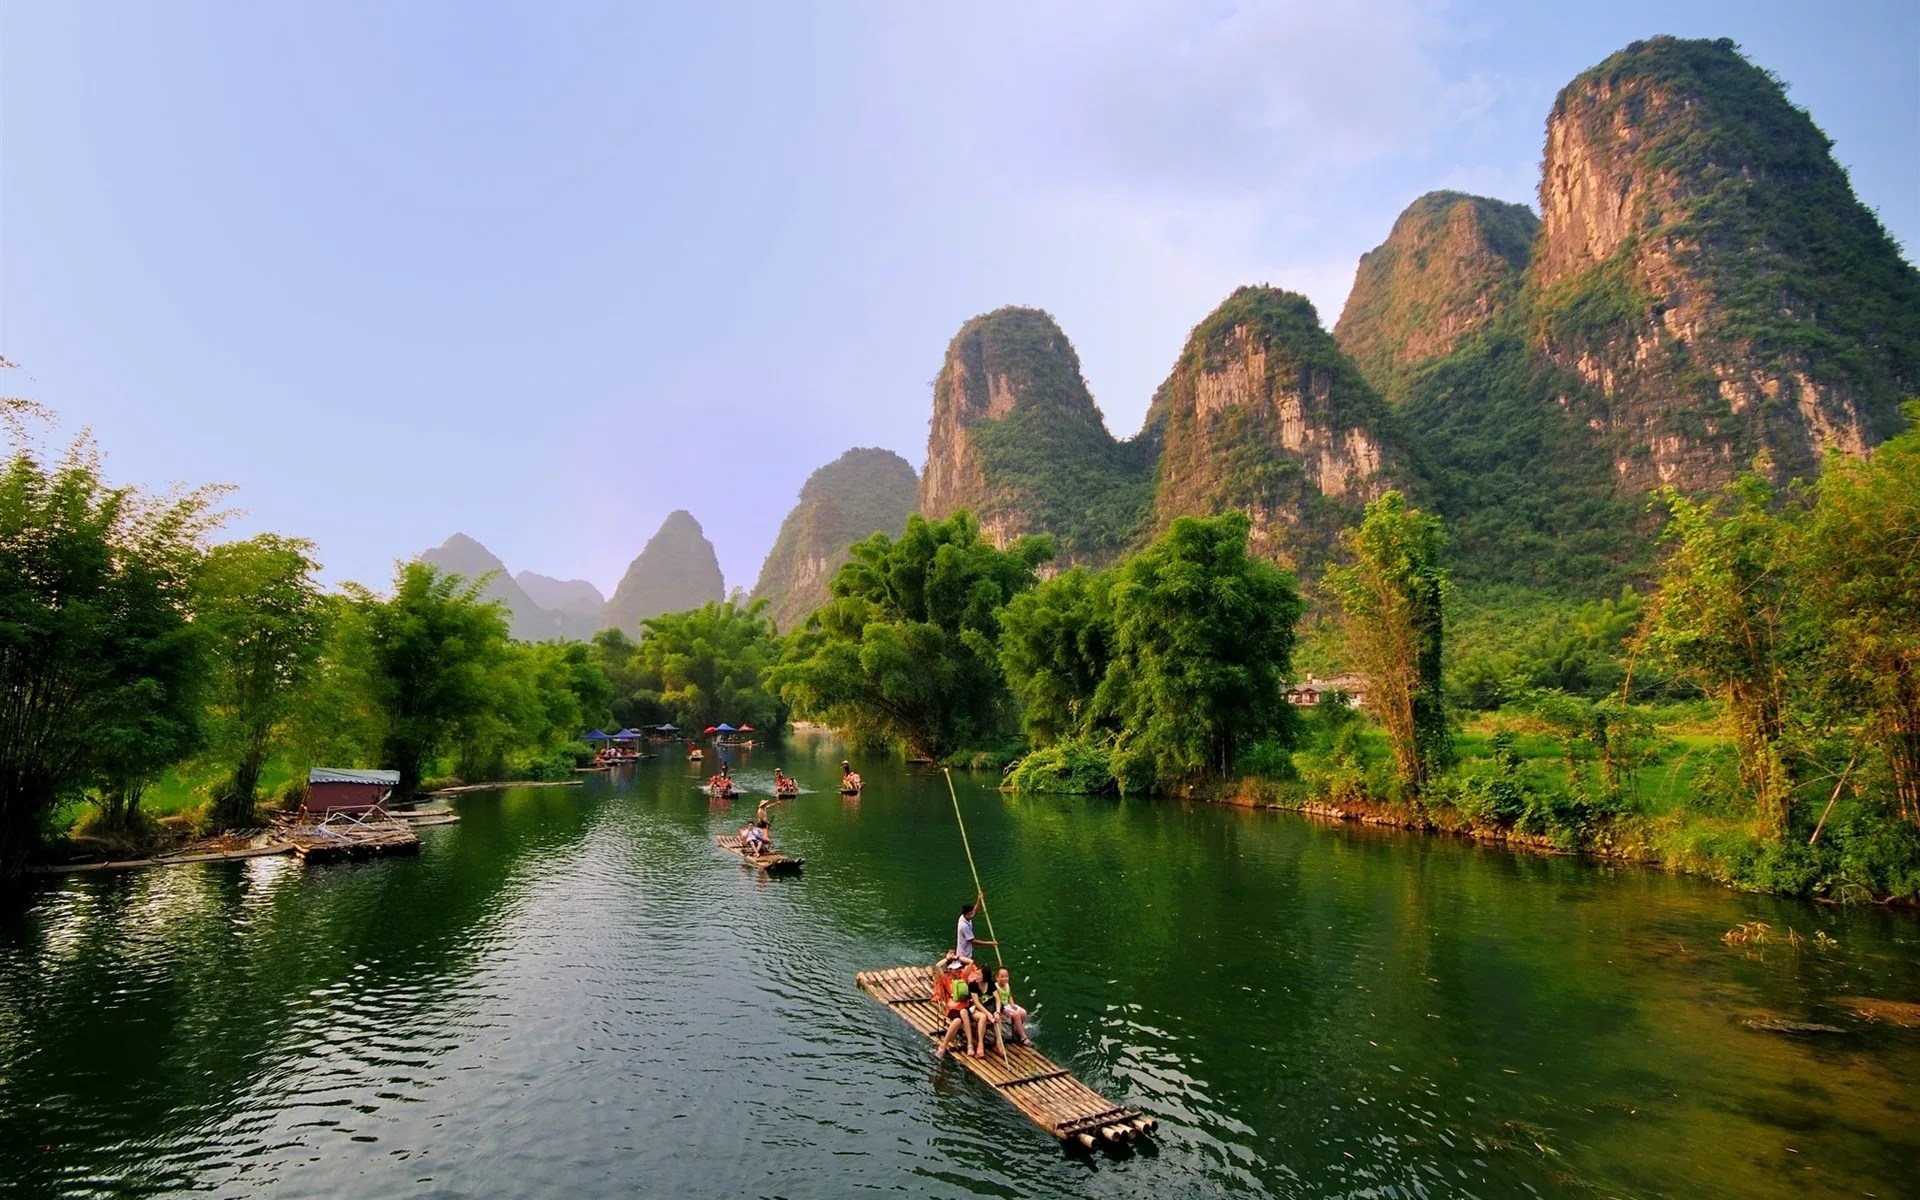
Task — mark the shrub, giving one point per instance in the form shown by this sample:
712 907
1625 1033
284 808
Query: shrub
1075 766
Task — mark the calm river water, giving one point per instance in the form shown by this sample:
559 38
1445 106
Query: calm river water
574 993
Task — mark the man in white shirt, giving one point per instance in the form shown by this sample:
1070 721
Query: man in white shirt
963 939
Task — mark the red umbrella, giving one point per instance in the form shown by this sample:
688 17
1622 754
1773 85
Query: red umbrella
746 729
711 728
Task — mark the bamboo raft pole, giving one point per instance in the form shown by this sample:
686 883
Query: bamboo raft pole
772 862
1045 1092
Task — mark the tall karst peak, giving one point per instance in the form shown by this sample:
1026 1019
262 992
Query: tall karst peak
677 570
1264 412
1705 267
1450 266
864 491
1017 439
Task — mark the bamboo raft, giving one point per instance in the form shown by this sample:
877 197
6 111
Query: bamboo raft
1045 1092
349 835
772 862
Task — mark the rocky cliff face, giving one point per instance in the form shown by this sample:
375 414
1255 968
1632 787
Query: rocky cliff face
1017 439
575 603
1264 412
463 556
676 570
857 494
1704 267
1452 264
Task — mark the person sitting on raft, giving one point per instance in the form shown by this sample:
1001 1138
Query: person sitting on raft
849 782
993 1004
784 783
757 838
954 981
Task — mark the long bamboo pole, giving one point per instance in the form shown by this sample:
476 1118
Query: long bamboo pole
981 896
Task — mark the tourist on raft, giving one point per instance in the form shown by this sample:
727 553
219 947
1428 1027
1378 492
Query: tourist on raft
757 838
993 1005
954 982
783 782
849 781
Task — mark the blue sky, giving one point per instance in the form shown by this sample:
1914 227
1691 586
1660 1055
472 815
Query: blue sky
544 273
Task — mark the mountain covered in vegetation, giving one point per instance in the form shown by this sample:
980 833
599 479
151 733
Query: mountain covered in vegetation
863 491
1450 266
1701 294
1265 413
676 570
1705 268
1017 440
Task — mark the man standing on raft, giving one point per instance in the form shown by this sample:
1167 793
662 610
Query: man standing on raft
963 940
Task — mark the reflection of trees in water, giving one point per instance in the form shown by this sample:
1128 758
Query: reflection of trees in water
164 1001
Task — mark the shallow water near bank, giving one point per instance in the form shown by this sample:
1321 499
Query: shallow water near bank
574 992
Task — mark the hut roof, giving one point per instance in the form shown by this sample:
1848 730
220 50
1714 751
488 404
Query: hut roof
344 775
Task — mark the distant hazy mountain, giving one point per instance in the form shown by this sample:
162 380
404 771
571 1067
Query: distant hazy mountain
578 604
862 492
461 555
677 570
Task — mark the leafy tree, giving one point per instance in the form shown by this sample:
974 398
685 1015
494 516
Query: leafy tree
1203 643
1860 576
709 665
429 649
536 696
1723 619
263 617
1391 599
99 662
906 649
1056 642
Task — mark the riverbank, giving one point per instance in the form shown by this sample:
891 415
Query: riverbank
1848 864
1675 803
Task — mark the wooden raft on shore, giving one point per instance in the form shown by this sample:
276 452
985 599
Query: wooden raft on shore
351 835
1048 1094
771 862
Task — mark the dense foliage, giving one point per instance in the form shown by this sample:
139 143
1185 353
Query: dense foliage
1392 602
1203 647
705 666
1525 485
1158 674
429 648
263 616
907 648
101 669
1056 643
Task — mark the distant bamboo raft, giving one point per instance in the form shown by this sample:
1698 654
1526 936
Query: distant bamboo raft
1048 1094
771 862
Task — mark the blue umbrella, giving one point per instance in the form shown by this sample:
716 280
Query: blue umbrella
594 735
723 727
668 728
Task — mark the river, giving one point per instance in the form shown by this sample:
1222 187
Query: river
574 993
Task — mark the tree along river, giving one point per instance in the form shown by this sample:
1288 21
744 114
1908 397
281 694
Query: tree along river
574 992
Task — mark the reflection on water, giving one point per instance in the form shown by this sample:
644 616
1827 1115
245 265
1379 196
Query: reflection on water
573 992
